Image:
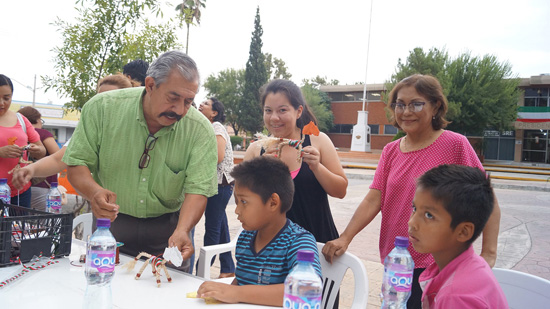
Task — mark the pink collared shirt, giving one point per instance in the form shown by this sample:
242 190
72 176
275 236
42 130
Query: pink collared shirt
466 282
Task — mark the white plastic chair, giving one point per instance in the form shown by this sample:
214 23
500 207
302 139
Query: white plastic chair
334 273
523 290
208 252
87 221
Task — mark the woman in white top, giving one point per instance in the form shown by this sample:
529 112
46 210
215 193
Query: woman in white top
216 229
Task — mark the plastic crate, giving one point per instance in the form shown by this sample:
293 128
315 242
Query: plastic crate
27 232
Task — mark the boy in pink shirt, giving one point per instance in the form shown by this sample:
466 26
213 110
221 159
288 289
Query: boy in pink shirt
451 206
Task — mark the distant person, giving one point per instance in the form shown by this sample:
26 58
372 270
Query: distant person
215 224
53 164
451 206
153 158
267 247
318 173
136 70
114 82
418 107
16 133
40 190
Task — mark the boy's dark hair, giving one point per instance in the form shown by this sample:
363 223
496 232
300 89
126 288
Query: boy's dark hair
264 176
464 191
137 69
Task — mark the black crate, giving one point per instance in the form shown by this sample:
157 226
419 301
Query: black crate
27 232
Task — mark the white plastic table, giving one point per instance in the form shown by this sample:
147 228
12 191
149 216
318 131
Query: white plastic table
62 285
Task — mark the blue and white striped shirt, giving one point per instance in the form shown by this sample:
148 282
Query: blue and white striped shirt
273 263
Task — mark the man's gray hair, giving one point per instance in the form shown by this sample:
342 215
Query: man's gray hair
161 68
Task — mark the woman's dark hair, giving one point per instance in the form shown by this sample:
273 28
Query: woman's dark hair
429 87
31 113
217 106
294 95
4 80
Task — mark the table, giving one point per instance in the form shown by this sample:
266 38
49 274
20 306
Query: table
62 285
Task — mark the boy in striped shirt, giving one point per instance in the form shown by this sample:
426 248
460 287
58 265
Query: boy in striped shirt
266 249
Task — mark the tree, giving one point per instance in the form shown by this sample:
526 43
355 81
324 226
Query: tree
100 43
250 110
190 10
482 92
319 102
276 68
228 87
320 81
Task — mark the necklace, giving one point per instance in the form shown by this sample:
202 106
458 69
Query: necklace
425 143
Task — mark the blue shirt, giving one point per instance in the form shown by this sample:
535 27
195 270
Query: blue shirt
273 263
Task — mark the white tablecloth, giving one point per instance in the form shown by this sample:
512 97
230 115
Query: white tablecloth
62 285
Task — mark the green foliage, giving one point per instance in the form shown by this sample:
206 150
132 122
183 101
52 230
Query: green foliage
482 92
101 42
236 140
276 68
228 87
319 81
399 135
190 11
250 110
319 102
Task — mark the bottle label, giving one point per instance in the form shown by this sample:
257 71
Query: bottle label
54 203
400 281
104 261
6 198
297 302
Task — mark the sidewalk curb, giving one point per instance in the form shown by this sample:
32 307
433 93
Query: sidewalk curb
495 185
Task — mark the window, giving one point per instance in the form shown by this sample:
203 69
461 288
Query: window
389 129
374 128
355 96
537 97
342 128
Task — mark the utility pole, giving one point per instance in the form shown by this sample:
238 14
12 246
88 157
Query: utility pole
34 92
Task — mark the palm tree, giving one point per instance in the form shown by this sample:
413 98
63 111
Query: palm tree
190 11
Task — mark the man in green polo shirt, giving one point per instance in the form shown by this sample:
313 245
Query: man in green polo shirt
146 160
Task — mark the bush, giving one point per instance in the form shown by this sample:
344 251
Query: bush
236 140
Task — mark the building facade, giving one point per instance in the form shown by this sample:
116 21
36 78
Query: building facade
527 142
56 120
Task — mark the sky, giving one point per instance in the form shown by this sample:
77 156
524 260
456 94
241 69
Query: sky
313 37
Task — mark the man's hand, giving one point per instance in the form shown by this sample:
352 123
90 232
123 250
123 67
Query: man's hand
104 204
11 151
334 248
223 292
21 177
180 238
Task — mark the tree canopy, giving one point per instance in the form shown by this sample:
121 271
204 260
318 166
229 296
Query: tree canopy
319 102
190 11
256 76
482 92
105 36
276 68
228 86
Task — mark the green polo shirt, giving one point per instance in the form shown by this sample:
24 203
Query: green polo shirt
110 139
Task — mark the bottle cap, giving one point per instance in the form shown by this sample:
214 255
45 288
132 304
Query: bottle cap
53 184
3 180
401 241
306 256
103 222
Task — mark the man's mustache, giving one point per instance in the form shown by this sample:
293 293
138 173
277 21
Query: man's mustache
171 115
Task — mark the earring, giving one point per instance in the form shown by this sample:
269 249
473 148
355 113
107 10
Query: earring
433 118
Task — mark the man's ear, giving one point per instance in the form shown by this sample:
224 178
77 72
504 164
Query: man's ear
149 83
274 202
464 231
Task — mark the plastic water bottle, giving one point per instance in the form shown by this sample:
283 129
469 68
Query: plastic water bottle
398 275
5 192
100 266
53 200
303 286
